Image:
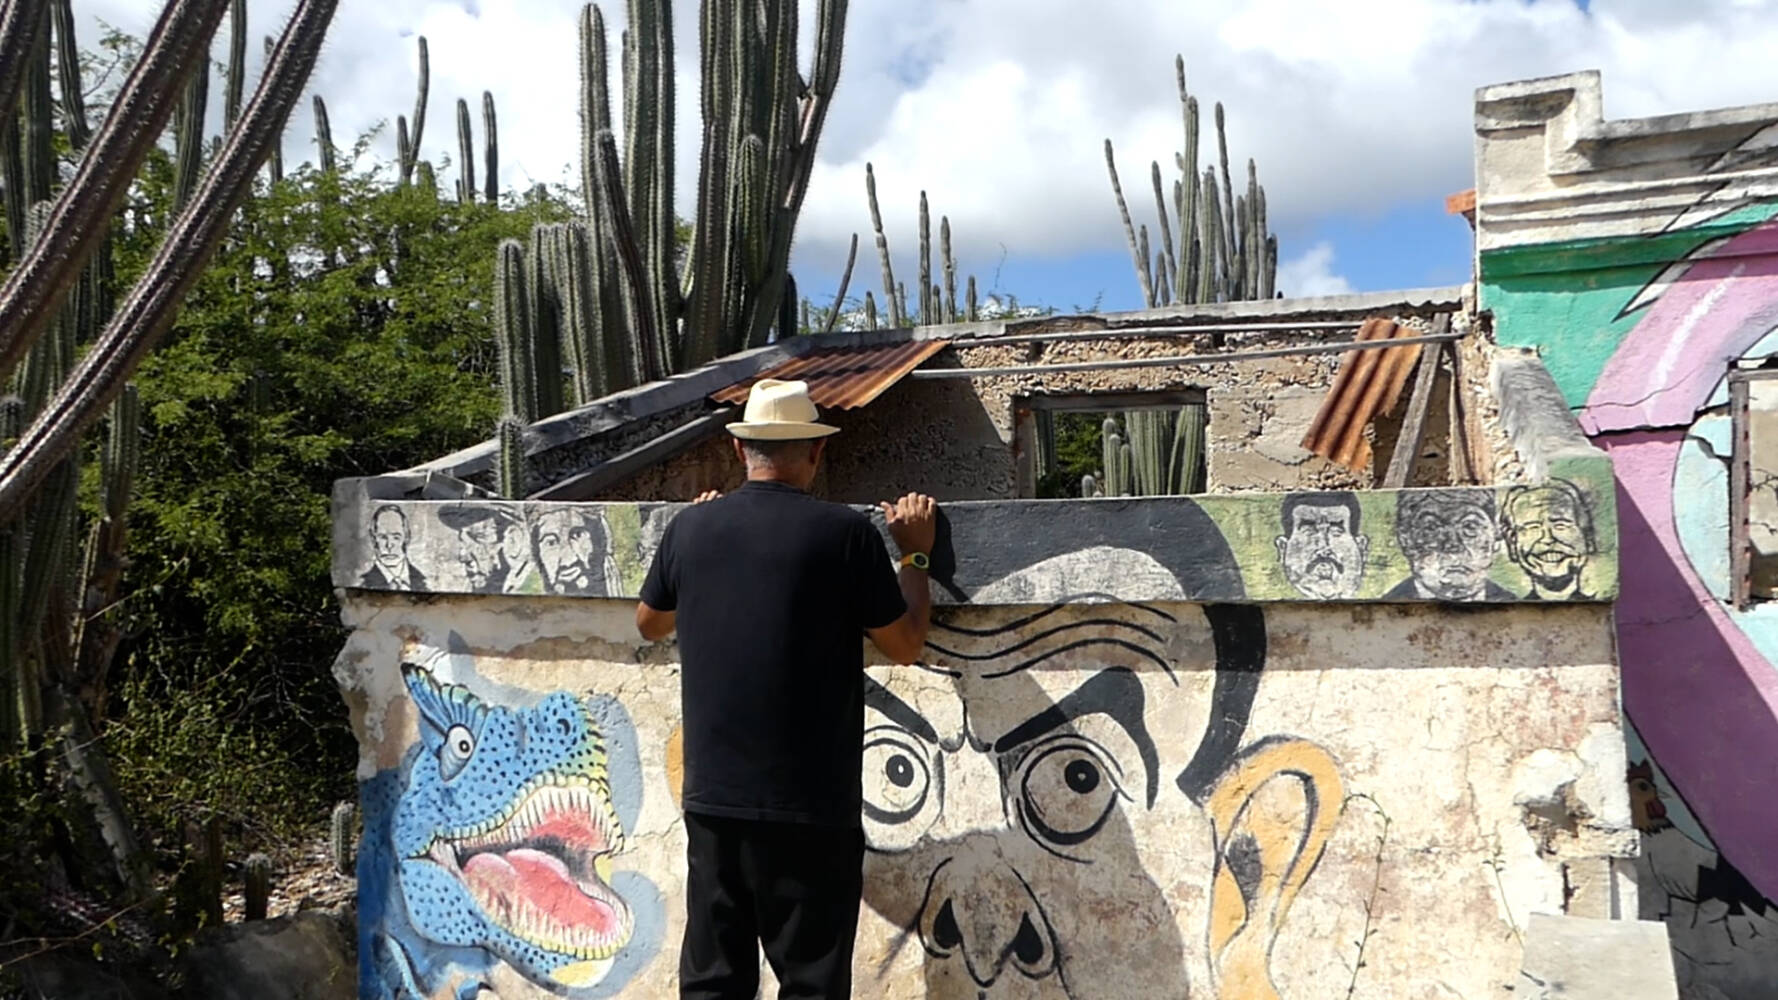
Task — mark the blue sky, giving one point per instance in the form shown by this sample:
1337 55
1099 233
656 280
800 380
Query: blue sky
1358 113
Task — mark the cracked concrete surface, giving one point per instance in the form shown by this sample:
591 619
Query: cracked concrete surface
1476 781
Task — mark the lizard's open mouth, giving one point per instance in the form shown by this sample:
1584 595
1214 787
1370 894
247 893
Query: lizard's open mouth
541 871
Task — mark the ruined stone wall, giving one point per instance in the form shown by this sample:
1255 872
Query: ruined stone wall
1259 410
1241 798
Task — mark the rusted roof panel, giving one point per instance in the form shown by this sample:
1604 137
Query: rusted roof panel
1369 383
844 378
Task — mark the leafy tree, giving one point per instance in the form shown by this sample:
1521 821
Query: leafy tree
341 331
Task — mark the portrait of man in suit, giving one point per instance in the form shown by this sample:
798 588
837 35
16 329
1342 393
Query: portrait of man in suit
1450 540
392 568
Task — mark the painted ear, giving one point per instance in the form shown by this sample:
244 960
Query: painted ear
1273 810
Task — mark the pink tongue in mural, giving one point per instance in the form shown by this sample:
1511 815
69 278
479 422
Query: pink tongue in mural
537 881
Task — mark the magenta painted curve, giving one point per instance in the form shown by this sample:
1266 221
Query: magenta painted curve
1700 693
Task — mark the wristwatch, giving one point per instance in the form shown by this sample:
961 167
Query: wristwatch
917 560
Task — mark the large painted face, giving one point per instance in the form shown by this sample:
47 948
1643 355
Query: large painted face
1025 806
566 552
1323 557
1544 536
505 831
1449 543
389 537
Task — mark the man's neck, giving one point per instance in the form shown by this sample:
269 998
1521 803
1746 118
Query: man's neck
775 477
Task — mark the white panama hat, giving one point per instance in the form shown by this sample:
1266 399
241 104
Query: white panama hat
780 411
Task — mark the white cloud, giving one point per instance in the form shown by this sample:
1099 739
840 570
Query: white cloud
1312 274
998 107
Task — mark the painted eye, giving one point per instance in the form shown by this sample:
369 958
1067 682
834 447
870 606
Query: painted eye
459 746
898 787
1068 791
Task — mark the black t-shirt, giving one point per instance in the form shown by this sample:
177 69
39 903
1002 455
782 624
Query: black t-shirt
773 590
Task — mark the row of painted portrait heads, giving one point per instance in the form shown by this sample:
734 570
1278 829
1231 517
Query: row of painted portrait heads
502 549
1450 538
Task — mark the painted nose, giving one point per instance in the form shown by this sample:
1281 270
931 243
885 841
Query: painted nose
977 908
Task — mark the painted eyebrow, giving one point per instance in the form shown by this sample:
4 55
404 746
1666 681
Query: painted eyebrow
1114 691
1045 634
1046 612
899 712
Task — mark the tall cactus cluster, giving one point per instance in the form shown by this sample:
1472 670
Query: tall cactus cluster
616 297
70 337
1214 245
1151 453
937 304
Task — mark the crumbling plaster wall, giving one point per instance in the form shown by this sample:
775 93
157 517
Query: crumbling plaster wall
1419 779
953 438
1259 410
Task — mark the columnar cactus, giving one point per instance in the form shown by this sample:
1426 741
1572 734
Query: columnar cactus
408 141
1152 453
1223 251
256 878
491 148
465 154
342 837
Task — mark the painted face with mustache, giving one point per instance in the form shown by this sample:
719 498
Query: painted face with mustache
1323 557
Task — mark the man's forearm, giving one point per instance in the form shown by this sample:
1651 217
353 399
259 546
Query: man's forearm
916 590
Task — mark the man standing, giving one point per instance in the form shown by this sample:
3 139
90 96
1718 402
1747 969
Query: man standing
771 592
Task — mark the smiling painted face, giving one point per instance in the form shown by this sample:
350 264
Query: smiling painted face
1548 535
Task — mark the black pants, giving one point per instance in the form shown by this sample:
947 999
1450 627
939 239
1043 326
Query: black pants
791 887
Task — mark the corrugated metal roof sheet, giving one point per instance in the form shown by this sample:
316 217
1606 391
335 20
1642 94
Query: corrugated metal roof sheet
844 378
1369 382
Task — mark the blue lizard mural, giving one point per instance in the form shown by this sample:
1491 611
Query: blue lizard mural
492 844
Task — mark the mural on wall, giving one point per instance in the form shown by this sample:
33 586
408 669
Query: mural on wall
1533 542
1642 352
1043 769
392 568
493 846
1449 537
1724 932
1323 547
1548 531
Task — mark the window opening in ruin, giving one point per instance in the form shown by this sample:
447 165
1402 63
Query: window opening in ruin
1753 485
1111 444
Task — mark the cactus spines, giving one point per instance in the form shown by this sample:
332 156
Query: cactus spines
876 224
189 135
950 263
751 197
256 878
465 154
1137 255
513 333
275 162
839 297
237 63
410 159
342 837
512 458
1088 486
68 67
491 165
969 302
927 306
323 135
1213 240
870 310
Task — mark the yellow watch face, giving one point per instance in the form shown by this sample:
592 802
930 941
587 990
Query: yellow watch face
917 560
